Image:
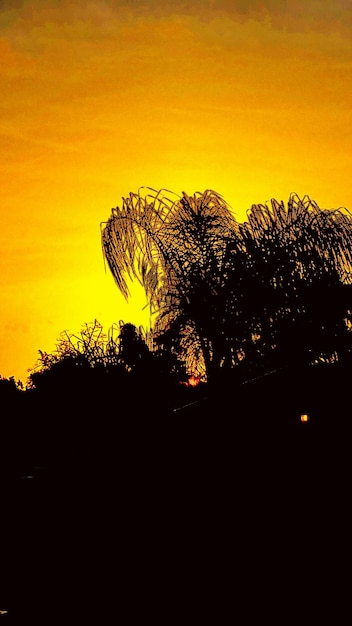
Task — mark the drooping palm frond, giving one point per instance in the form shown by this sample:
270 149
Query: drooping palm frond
175 246
150 236
315 239
224 292
292 278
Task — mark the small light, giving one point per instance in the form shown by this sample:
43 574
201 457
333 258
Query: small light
304 417
193 381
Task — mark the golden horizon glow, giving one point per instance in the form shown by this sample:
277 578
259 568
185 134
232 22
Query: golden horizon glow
251 99
193 381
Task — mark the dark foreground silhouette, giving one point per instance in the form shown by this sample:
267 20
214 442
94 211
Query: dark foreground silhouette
187 513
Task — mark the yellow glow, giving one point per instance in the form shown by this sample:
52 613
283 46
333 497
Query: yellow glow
193 381
304 418
100 98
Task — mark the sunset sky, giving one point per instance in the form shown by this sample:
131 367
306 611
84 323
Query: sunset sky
251 98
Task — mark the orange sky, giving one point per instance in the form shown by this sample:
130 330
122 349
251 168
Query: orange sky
250 98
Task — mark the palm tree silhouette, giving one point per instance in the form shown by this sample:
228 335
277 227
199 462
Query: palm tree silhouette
295 272
272 290
177 248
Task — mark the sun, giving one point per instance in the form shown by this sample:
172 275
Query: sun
193 381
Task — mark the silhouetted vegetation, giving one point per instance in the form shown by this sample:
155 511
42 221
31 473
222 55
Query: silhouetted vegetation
231 302
271 292
118 440
94 387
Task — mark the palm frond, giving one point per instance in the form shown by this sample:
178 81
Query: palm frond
214 284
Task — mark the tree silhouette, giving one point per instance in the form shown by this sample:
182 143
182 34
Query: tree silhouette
273 290
291 282
90 369
91 348
177 248
133 350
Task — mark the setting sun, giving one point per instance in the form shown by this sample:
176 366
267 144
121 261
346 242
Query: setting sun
193 381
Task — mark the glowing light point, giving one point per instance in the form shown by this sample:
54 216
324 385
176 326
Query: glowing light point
193 381
304 418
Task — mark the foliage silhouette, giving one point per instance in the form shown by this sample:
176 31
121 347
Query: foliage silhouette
290 285
97 385
176 247
125 349
274 290
271 291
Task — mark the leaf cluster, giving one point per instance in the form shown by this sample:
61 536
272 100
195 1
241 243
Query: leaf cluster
275 288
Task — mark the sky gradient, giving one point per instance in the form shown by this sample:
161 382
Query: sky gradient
249 98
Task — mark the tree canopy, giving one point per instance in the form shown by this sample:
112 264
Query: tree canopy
273 290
